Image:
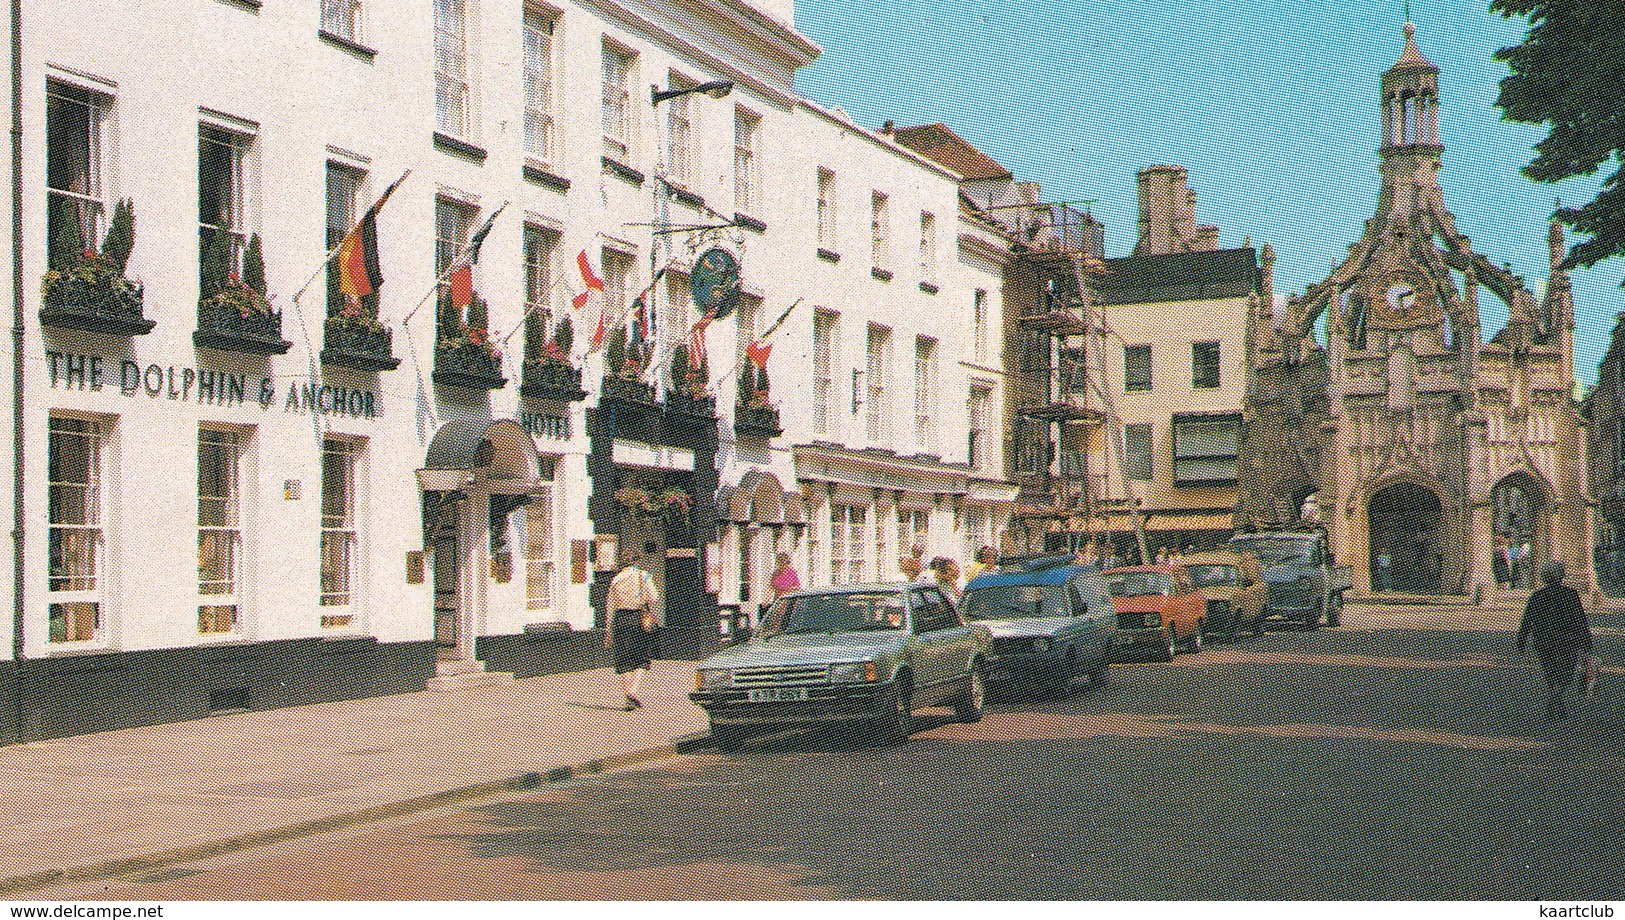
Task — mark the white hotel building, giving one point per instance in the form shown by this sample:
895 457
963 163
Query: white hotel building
220 514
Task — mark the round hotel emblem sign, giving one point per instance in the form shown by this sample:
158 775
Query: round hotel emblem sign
716 282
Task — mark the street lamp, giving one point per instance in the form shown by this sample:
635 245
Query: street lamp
716 89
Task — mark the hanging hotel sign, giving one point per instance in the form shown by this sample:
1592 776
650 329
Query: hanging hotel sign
176 383
715 282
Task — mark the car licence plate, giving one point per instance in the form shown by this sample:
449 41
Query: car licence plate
778 695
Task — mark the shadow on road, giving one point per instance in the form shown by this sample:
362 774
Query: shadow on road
1402 764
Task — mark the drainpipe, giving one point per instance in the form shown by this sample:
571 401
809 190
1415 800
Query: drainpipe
17 519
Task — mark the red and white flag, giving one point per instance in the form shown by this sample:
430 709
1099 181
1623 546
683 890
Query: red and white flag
696 340
758 352
590 281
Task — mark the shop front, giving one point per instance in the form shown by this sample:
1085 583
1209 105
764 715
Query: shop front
653 470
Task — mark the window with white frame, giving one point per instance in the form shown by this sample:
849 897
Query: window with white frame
540 246
74 120
342 18
848 542
538 51
824 345
340 458
617 102
979 328
925 392
343 193
928 245
453 222
978 531
219 528
222 193
827 235
913 529
880 229
978 413
747 179
75 452
885 552
878 370
541 553
617 281
452 97
680 140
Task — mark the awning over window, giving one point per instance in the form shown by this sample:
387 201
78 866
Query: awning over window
1214 520
760 499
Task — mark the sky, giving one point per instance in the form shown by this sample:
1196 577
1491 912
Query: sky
1271 104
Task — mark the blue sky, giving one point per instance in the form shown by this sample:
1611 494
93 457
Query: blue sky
1271 104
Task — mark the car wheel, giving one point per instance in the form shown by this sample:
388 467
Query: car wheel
969 708
1198 638
1258 624
1334 611
899 723
1233 633
728 738
1101 675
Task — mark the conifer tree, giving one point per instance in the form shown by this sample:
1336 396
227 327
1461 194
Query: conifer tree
120 239
67 244
216 264
254 266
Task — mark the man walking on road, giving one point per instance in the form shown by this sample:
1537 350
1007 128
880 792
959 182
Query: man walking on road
1556 620
634 617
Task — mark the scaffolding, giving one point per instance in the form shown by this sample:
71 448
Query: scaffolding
1066 245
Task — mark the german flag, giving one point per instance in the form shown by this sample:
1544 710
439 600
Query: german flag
357 254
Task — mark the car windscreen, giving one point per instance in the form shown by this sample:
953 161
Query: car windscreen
835 613
1139 584
1278 552
1010 602
1214 576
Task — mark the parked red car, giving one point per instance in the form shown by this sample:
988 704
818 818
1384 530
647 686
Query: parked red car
1158 610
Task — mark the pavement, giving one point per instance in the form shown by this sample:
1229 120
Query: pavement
95 806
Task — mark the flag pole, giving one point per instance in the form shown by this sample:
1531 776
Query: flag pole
326 260
740 361
452 266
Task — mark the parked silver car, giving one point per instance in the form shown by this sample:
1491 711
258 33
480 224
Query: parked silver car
847 653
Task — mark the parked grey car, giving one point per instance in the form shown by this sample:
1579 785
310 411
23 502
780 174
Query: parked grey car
1302 581
1052 622
847 653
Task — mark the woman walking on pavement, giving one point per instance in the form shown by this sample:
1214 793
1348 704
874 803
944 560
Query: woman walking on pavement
1556 621
785 578
634 617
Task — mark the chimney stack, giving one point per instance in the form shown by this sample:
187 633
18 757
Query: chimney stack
1168 214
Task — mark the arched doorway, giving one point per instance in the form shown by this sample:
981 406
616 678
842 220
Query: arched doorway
1405 527
1520 514
474 474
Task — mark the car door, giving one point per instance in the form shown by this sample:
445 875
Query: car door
1082 623
934 640
1092 609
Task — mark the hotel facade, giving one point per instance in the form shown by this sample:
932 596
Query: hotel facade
242 487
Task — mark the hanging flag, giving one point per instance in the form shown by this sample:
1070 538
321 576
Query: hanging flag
473 253
462 286
696 340
357 253
598 333
758 352
462 275
642 316
590 280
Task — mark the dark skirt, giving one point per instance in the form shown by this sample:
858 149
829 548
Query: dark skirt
1559 659
632 646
